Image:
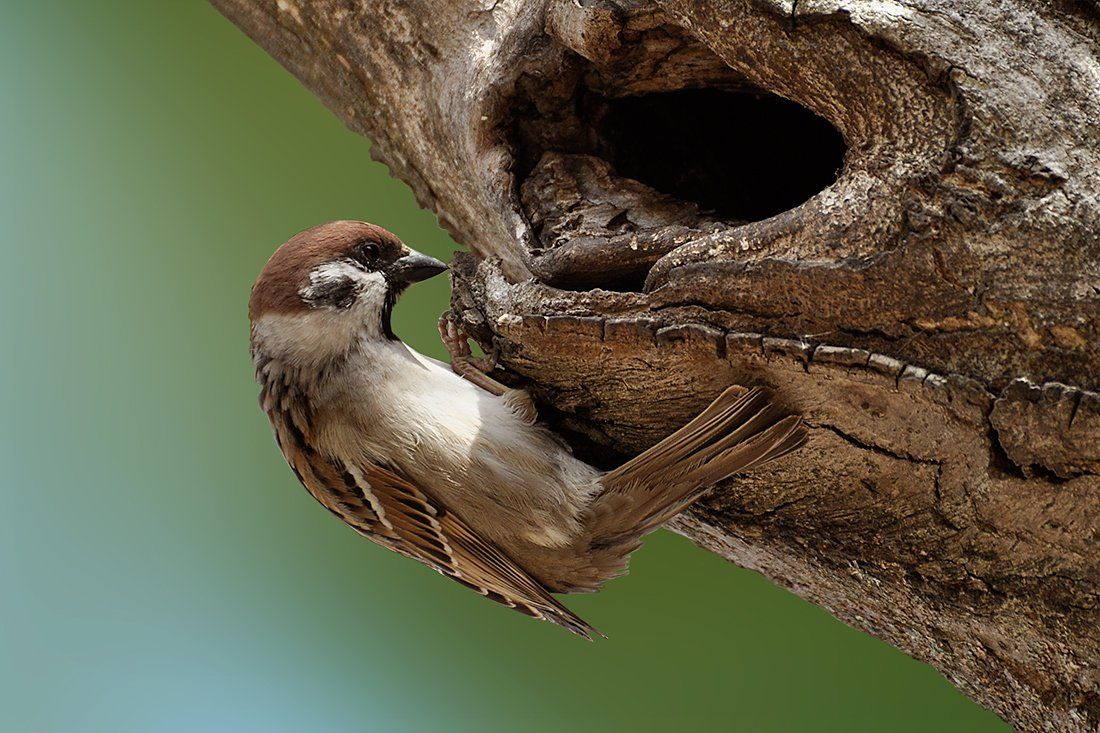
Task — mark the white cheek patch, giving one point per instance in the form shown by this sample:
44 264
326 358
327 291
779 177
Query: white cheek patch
333 271
367 290
346 300
373 289
324 277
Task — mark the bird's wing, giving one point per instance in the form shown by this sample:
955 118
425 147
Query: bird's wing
417 526
389 509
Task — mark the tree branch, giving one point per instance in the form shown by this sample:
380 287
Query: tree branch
656 214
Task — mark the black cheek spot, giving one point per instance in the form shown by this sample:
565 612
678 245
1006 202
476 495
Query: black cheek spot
338 294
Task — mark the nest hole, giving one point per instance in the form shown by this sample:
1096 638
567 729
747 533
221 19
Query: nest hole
738 155
662 144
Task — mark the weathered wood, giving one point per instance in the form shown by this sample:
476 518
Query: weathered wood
934 312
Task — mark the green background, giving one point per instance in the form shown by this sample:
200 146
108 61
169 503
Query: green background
162 570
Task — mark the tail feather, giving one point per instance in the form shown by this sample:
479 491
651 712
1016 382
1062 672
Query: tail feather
742 437
704 482
732 435
776 441
727 410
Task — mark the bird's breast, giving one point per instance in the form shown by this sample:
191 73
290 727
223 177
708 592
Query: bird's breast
473 451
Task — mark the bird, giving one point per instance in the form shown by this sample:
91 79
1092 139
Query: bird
444 464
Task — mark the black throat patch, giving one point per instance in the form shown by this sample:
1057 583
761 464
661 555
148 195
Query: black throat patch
393 291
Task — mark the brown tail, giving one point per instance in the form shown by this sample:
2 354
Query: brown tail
733 435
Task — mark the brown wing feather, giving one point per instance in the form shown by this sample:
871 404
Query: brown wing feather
391 511
426 531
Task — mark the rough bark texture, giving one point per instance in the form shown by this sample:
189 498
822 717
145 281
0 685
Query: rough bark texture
933 312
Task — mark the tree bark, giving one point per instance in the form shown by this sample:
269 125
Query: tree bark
933 312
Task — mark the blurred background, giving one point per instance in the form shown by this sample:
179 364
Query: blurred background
161 569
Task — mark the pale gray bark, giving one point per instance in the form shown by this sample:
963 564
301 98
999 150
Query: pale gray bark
934 313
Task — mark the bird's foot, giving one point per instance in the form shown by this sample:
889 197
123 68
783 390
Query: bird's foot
453 337
475 369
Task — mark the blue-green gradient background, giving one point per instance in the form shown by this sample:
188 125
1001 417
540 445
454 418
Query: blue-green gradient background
162 570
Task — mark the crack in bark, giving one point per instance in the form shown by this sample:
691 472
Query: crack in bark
848 438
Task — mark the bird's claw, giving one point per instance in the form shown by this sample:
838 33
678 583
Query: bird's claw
457 341
488 362
453 337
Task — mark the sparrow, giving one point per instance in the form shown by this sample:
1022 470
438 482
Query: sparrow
442 463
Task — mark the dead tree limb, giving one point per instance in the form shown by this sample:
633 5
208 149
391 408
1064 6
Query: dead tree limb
886 212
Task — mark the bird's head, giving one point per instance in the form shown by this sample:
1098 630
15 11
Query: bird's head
331 286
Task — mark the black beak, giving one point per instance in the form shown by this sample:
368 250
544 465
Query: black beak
414 267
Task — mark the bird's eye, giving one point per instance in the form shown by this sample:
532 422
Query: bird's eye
365 251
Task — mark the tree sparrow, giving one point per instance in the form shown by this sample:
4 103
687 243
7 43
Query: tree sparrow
445 465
